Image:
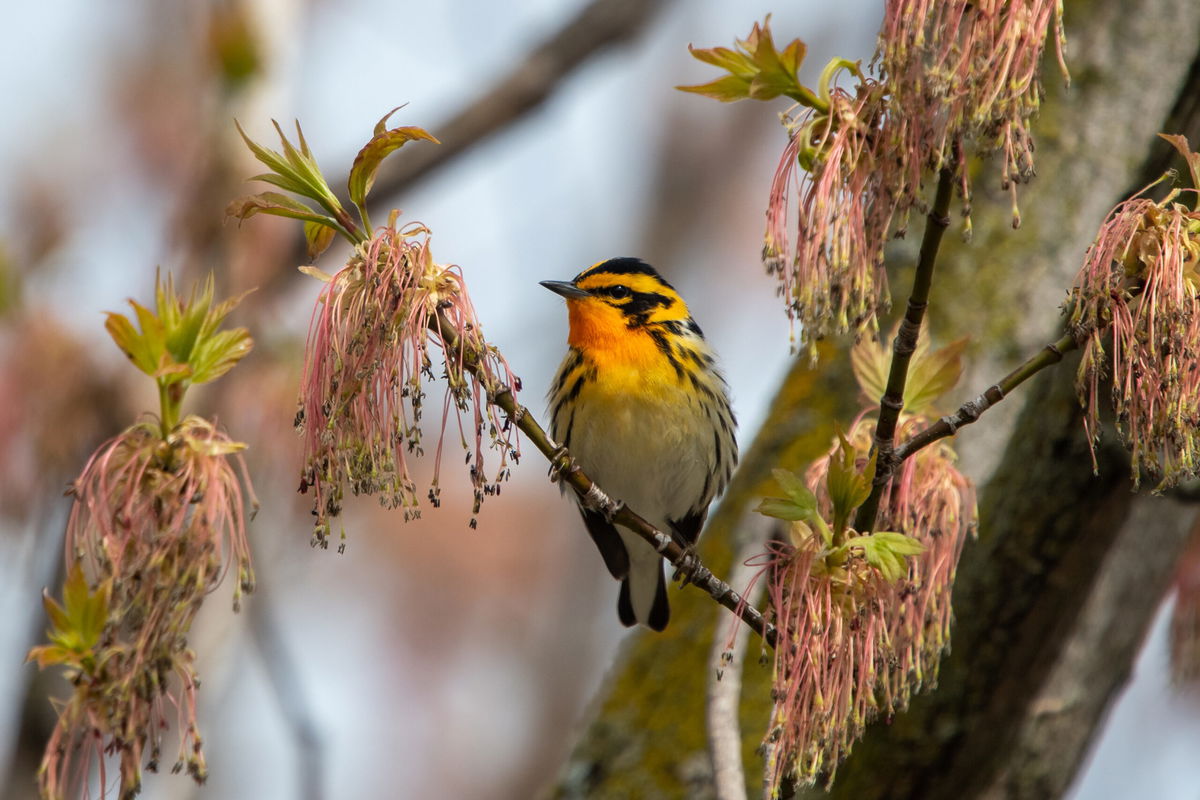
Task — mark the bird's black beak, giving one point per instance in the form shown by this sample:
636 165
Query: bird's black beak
566 289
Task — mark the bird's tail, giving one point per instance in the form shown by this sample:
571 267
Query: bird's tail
643 595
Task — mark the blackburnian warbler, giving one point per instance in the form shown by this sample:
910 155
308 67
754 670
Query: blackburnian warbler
642 409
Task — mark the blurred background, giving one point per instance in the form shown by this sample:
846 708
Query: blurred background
429 660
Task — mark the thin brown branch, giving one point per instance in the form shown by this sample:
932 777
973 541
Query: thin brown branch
892 401
971 410
686 561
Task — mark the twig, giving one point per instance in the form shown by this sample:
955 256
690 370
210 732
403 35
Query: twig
971 410
725 664
696 574
892 401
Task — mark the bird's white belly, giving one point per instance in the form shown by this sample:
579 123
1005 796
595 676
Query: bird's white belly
654 454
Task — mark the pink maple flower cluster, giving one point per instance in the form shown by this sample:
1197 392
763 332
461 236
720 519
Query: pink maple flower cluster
832 278
362 392
863 617
930 500
855 641
955 77
1136 308
964 75
159 518
831 648
156 523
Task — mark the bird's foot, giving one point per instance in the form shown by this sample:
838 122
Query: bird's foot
685 568
561 464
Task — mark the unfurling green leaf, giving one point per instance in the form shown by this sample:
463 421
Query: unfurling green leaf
783 509
870 360
898 543
794 487
219 353
179 340
294 169
726 89
317 238
800 505
886 552
847 487
76 624
132 343
279 205
932 374
382 144
757 70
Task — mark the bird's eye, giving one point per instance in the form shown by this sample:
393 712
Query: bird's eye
619 292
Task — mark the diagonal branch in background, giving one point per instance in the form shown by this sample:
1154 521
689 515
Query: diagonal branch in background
295 707
892 401
682 559
540 73
598 24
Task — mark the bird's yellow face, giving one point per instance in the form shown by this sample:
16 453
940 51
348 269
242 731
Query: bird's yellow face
613 308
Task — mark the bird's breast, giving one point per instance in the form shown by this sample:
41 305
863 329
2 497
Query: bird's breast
644 440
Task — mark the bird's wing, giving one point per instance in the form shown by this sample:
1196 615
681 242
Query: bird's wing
687 530
605 535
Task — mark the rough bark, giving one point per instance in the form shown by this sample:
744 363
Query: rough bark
1061 721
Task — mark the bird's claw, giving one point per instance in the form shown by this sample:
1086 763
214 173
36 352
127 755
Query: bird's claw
687 563
561 463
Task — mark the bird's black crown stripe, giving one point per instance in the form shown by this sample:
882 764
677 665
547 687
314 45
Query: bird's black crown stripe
623 266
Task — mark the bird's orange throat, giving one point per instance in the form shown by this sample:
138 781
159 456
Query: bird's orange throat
602 333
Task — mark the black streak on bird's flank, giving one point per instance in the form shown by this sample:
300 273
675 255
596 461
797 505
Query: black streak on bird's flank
717 449
700 386
576 388
570 427
574 361
664 346
701 360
